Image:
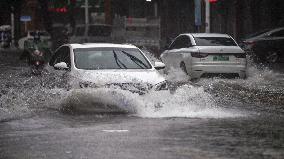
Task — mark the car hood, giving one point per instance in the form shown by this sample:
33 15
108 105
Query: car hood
220 49
103 77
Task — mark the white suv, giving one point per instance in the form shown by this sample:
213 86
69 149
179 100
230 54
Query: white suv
108 65
206 54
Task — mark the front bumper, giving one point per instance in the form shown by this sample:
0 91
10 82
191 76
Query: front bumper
132 87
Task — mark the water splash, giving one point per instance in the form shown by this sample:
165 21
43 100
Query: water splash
23 94
262 86
187 101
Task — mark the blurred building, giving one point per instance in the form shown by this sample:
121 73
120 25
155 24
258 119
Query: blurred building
31 8
235 17
242 17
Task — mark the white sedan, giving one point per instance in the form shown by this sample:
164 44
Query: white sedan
100 65
206 54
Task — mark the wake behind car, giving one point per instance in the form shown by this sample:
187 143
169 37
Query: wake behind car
266 45
206 54
100 65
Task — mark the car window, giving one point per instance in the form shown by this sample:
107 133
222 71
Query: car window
181 42
278 34
214 41
110 58
61 55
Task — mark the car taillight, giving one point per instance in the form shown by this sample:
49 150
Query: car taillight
242 55
251 43
199 55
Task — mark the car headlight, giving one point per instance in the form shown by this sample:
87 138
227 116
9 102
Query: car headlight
161 86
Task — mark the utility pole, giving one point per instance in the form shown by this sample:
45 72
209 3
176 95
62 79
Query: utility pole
86 16
107 11
155 9
12 28
86 12
207 16
197 14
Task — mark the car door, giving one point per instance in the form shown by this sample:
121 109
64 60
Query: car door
277 43
61 55
177 51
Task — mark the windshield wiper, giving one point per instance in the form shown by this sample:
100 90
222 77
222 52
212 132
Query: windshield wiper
135 60
117 60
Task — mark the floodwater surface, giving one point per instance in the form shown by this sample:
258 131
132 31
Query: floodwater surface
41 117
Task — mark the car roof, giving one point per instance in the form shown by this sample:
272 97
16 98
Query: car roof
206 34
274 30
262 33
94 45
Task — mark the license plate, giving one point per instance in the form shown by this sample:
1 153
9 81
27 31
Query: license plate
220 58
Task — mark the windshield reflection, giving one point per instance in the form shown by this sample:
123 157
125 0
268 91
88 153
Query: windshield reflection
110 58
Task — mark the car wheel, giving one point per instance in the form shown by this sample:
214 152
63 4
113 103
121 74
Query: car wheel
272 57
183 67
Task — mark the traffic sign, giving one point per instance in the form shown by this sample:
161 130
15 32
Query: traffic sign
197 12
25 18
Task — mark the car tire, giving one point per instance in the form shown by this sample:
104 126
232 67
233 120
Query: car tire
183 67
272 57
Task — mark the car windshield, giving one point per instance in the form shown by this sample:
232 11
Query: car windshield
214 41
110 58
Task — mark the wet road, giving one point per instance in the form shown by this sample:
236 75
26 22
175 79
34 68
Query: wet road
216 118
131 137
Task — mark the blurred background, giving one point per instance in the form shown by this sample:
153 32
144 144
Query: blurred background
150 23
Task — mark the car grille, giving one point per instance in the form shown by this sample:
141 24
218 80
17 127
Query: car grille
140 88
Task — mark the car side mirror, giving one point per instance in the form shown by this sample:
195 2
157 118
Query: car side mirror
61 66
159 65
166 47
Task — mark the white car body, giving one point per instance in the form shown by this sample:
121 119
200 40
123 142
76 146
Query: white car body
44 36
123 77
198 61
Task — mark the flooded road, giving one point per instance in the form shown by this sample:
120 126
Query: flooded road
210 118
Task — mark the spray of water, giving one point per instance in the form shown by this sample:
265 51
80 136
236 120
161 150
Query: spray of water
262 87
187 101
24 94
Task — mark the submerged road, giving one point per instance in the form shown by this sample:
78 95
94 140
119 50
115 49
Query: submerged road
54 136
218 119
